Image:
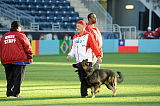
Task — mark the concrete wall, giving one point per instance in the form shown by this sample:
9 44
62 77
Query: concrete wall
122 16
147 46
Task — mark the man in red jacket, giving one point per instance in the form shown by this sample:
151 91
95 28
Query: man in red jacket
15 53
91 27
149 34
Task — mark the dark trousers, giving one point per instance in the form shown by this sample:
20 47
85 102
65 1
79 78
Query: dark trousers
14 77
84 84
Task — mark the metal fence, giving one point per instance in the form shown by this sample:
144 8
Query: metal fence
125 32
128 32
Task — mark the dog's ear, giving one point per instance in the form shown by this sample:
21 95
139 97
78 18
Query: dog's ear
75 65
86 60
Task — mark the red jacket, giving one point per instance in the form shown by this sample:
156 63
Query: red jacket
15 47
157 31
97 36
148 35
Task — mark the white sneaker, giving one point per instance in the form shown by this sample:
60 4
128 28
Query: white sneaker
11 97
18 96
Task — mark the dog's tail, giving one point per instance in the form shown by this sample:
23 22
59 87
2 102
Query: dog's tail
120 78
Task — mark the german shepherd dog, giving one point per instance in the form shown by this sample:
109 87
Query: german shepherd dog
97 77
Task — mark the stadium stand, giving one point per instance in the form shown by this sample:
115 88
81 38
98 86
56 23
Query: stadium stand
154 4
48 13
3 24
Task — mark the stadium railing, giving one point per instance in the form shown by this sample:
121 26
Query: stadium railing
104 18
15 14
125 32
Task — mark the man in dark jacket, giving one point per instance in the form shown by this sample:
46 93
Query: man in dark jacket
15 53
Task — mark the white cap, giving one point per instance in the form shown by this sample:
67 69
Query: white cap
149 28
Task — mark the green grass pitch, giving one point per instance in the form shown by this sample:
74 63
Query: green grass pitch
51 80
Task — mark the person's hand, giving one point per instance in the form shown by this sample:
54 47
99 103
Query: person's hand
30 61
68 57
99 60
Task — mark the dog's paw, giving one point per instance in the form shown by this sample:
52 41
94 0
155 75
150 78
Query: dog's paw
93 96
97 91
113 95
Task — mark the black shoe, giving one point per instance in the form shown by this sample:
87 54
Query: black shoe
84 96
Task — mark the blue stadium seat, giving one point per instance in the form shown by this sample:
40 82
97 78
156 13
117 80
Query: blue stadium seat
65 19
49 11
57 19
73 25
66 25
74 14
23 1
70 8
16 0
58 13
30 1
